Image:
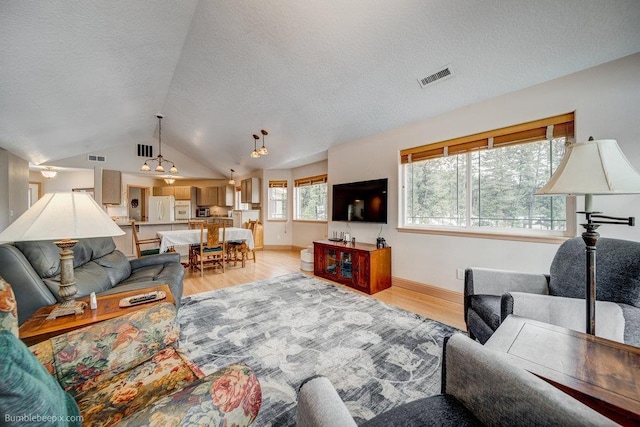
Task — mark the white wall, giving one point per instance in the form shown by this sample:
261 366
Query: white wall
606 100
14 185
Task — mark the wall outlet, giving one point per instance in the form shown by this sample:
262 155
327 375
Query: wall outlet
460 273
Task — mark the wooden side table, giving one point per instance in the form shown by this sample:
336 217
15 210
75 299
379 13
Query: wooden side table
601 373
37 328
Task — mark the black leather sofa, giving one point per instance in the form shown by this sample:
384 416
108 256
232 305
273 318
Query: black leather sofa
33 270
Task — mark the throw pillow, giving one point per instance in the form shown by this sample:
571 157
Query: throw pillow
8 308
29 395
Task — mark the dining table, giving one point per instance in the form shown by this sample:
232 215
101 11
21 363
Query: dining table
175 238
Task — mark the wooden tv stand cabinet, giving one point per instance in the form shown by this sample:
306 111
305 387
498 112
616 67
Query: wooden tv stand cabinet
361 266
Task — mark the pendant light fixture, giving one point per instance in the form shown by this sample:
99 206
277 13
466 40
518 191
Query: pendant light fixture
48 172
255 154
159 159
231 181
263 150
169 180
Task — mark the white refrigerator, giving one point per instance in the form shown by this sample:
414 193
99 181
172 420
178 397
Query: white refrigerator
241 217
161 208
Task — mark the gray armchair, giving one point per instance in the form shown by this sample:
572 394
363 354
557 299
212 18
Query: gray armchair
480 386
558 298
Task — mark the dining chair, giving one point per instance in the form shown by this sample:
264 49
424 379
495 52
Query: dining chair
256 231
211 251
139 242
195 224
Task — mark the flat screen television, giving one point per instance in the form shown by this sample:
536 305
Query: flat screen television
364 201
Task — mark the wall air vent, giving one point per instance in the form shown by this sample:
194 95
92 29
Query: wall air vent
145 151
438 76
94 158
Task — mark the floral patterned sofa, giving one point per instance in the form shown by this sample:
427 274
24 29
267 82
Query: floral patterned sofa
123 371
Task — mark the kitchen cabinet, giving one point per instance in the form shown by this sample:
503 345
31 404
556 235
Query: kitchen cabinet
358 265
164 191
207 196
180 192
111 187
226 195
183 192
250 190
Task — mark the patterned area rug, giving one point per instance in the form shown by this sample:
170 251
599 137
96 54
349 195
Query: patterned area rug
291 327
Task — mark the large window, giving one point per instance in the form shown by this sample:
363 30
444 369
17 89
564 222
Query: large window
311 198
487 181
277 200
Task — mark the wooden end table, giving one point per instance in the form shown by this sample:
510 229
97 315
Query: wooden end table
602 374
37 328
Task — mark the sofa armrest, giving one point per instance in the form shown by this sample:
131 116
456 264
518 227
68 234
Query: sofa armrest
568 313
488 281
498 392
95 354
155 259
319 405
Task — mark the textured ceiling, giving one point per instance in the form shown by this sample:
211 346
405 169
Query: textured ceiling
78 76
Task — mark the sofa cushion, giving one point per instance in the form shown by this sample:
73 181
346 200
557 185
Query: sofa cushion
131 391
441 410
43 256
229 397
90 277
116 265
27 389
92 355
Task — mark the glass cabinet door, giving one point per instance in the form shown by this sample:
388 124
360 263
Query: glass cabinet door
346 265
330 261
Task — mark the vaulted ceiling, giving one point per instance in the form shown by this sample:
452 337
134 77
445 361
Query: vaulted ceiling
80 75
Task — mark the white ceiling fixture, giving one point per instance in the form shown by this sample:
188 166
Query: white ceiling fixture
48 172
231 180
159 159
169 180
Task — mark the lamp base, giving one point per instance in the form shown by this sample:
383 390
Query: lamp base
67 308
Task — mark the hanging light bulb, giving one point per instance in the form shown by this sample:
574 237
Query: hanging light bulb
255 154
231 181
159 159
263 150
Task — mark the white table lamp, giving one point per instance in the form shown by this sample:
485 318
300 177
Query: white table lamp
64 216
588 168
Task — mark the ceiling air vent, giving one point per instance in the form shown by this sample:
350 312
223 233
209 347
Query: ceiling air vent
94 158
443 74
145 150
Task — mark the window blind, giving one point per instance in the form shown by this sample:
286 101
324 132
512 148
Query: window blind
278 184
312 180
549 128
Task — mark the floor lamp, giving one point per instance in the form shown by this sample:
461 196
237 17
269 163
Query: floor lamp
593 168
64 217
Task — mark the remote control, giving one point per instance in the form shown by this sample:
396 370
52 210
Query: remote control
143 298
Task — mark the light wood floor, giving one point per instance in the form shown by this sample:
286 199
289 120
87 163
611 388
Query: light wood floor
272 263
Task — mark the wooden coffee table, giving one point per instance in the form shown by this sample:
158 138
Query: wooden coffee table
602 374
37 328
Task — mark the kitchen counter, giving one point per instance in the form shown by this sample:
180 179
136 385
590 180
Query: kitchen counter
128 222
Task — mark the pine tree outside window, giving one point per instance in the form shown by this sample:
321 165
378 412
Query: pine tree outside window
310 198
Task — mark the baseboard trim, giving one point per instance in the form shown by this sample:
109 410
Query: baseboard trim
426 289
278 247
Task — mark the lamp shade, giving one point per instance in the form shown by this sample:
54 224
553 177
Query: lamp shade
62 216
593 167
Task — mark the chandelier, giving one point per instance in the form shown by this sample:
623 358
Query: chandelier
262 151
159 159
